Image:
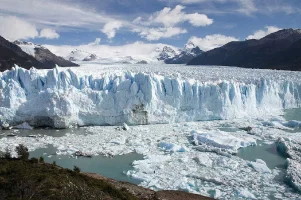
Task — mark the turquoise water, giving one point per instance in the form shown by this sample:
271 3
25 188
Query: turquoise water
109 167
292 114
265 152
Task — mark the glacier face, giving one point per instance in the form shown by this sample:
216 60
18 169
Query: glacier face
61 98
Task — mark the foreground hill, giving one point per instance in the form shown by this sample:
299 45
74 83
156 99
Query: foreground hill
39 57
30 179
279 50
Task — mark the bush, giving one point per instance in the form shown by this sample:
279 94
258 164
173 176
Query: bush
34 160
76 169
7 154
22 152
54 163
41 159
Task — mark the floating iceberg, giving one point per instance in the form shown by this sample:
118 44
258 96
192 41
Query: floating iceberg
62 98
260 166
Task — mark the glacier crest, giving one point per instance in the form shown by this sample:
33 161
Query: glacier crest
61 98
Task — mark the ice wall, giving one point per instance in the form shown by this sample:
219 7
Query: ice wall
62 98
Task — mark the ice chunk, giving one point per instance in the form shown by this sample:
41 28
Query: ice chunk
172 147
245 193
125 127
24 125
293 174
221 139
203 160
260 166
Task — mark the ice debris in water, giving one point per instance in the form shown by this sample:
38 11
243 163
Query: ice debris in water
166 166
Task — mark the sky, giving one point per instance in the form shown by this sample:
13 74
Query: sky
207 23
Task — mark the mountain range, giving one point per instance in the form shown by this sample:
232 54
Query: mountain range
27 55
278 50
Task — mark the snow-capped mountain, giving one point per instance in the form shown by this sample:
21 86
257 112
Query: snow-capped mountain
182 56
43 55
79 55
167 53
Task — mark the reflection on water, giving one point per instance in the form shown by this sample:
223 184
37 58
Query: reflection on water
109 167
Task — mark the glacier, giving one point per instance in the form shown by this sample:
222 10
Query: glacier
62 98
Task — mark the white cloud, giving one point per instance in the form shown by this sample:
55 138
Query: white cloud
55 13
158 33
262 33
13 28
49 33
110 28
246 7
170 17
211 41
95 43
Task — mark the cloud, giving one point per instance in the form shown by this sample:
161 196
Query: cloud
262 33
246 7
61 14
49 33
13 28
211 41
110 28
170 17
95 43
158 33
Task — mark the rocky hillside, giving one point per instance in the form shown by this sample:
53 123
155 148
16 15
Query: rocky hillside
11 54
35 56
43 55
279 50
34 179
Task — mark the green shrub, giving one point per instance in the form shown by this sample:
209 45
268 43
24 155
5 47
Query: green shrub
54 163
41 159
34 160
76 169
22 152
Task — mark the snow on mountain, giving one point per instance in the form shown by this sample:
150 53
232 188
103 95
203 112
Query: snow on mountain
43 55
167 53
61 98
181 56
129 53
79 55
27 47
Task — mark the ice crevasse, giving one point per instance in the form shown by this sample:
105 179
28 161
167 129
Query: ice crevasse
61 98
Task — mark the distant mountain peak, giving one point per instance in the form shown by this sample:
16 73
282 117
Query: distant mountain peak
189 45
182 56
